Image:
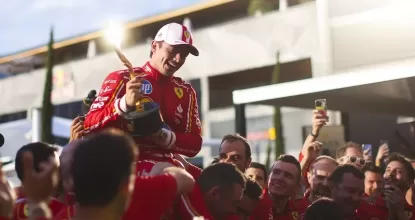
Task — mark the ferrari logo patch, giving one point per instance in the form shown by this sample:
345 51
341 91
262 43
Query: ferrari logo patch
26 210
186 34
295 215
179 92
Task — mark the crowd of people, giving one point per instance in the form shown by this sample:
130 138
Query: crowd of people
108 172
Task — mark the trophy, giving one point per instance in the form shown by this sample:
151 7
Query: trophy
146 118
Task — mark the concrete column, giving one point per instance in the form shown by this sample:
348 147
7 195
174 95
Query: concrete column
322 63
36 124
204 87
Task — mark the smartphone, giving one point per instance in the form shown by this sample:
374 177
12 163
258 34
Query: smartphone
384 142
320 104
368 148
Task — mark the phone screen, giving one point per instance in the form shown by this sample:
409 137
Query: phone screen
320 104
368 148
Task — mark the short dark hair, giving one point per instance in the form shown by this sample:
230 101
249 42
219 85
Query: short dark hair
342 150
238 137
286 158
401 159
100 164
41 153
372 168
261 167
252 189
338 174
324 209
222 175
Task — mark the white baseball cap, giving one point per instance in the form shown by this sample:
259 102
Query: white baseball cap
177 34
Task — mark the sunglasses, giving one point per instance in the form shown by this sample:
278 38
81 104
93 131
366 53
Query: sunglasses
353 160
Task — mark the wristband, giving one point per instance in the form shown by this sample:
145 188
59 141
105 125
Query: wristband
314 135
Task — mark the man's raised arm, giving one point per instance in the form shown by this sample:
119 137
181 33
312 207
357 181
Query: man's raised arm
106 109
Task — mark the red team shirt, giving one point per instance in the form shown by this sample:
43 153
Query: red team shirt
21 210
379 210
153 198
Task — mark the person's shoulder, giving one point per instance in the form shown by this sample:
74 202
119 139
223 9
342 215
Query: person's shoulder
180 82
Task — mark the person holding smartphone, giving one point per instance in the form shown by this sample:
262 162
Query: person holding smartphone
399 176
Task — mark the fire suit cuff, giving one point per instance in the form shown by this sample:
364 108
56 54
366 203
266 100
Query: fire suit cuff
121 106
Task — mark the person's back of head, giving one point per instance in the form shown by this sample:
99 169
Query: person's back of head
222 185
41 152
103 170
250 199
323 209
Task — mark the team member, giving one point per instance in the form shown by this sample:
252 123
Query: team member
216 195
154 82
42 153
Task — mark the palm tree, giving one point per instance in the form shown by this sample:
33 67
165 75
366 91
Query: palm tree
47 107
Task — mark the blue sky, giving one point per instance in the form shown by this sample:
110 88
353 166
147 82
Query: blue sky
25 24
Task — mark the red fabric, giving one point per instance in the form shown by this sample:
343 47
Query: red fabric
4 218
193 205
293 211
263 210
153 197
21 210
194 171
304 174
379 210
178 106
68 212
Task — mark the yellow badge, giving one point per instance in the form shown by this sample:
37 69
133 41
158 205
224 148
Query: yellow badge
140 108
187 34
26 210
179 92
295 215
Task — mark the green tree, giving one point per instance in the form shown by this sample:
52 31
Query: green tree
279 147
263 6
47 107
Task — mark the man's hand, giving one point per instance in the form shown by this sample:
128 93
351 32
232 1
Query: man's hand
319 120
394 198
77 129
39 186
382 153
7 196
313 151
133 91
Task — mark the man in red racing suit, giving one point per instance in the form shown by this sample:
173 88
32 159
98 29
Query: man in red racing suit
177 99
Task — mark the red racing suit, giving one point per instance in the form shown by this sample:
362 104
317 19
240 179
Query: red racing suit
178 107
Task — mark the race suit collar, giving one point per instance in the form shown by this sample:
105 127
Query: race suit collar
155 73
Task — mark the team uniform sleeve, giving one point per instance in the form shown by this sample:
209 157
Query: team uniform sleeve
189 143
109 107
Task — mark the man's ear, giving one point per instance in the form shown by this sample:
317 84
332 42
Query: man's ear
154 46
248 163
214 192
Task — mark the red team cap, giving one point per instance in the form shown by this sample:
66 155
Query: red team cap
177 34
